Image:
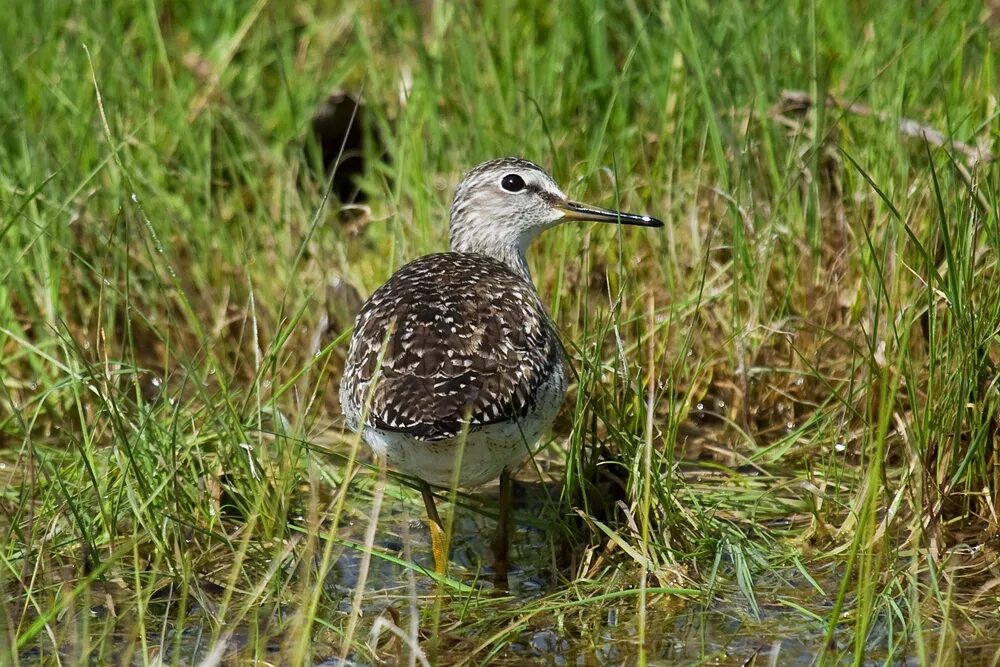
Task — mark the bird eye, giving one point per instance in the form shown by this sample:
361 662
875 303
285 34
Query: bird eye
512 183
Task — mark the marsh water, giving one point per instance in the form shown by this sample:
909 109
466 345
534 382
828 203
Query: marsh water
785 624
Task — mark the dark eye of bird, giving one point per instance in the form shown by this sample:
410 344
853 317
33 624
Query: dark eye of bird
512 183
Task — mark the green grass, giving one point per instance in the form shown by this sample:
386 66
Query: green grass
792 389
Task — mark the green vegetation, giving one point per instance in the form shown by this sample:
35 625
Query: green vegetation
785 420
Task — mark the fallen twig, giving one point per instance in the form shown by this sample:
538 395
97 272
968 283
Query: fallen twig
799 100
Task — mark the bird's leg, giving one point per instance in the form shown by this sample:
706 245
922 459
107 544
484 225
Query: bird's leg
501 541
439 540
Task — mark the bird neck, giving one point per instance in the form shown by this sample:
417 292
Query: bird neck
509 251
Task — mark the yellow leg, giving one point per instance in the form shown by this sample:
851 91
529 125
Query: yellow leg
501 541
439 539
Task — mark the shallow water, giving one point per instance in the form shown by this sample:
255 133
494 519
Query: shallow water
720 627
726 630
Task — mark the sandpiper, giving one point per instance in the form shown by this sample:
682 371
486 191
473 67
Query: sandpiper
454 370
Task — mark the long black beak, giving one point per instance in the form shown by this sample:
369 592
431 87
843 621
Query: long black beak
577 211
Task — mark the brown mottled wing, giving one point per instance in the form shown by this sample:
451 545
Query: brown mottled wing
460 337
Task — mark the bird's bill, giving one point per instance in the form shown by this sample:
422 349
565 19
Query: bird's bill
576 211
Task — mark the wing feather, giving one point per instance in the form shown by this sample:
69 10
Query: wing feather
450 339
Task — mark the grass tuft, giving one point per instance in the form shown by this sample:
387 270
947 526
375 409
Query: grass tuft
781 437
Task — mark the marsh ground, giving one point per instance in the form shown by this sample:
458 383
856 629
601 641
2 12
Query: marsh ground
781 442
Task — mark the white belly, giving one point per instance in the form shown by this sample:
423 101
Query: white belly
484 451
